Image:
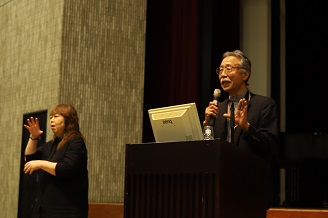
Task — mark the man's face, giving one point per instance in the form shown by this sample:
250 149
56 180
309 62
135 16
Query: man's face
230 75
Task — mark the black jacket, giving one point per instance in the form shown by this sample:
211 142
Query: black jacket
66 194
262 138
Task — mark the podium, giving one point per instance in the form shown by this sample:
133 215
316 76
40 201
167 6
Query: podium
197 179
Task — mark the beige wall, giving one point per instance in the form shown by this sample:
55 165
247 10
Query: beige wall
87 53
255 41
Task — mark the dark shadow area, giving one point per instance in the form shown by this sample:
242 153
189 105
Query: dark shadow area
170 78
29 184
306 168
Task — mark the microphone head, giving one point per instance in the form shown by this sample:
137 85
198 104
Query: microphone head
216 96
217 93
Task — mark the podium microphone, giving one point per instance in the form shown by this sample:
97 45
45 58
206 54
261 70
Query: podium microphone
208 130
216 96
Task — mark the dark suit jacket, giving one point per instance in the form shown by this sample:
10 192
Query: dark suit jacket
263 136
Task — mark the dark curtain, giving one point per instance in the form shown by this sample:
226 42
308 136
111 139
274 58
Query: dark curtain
306 71
305 140
172 49
171 52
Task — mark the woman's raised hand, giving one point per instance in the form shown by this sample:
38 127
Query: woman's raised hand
33 127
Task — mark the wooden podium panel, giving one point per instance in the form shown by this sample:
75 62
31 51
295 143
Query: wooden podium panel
105 210
296 213
198 179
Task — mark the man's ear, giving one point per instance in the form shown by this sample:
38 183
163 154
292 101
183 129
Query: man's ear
245 75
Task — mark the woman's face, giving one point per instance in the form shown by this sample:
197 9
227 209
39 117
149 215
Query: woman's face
57 124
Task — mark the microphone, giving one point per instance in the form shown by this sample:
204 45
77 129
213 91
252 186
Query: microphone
216 96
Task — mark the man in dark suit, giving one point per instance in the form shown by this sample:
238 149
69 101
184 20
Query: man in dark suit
255 124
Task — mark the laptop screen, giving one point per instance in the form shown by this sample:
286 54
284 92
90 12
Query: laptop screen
176 123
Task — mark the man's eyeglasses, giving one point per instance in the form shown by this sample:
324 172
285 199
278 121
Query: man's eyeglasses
228 68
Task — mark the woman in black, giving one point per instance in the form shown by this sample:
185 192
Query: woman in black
62 163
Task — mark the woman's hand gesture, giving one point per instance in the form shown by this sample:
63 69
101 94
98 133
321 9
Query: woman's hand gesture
33 127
